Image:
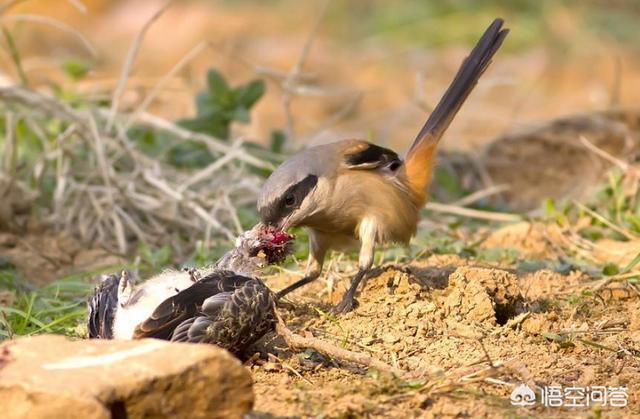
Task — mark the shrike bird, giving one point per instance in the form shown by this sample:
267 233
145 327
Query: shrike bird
352 192
224 305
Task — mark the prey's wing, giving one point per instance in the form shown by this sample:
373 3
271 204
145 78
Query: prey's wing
232 320
194 329
102 308
186 304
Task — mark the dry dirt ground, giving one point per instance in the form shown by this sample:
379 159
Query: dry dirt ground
443 321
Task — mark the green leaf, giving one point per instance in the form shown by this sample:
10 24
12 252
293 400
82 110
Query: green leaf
241 114
574 299
213 124
217 84
151 143
591 233
204 104
549 206
277 141
190 154
76 69
632 264
219 105
249 94
610 269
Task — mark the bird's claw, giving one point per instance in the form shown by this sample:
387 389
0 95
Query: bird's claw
346 305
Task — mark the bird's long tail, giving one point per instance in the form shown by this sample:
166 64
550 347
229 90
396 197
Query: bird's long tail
421 156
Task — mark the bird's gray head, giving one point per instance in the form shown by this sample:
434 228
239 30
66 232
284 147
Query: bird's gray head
284 198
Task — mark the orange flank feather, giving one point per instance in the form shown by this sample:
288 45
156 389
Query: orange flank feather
419 166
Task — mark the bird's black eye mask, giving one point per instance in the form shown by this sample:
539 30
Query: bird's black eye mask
290 200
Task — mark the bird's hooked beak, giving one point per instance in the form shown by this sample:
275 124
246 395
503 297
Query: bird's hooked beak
284 224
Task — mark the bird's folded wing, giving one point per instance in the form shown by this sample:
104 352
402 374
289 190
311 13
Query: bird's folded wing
362 155
186 304
232 320
194 329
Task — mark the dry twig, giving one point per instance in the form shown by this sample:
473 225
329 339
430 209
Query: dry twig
626 233
472 213
603 154
300 342
481 194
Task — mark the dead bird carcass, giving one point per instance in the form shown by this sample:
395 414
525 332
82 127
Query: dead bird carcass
224 305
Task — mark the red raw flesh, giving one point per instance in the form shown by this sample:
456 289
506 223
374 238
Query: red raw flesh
276 237
274 243
281 237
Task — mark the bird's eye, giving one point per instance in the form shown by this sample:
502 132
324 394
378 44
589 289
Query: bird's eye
290 200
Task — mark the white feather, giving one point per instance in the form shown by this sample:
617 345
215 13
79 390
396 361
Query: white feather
153 292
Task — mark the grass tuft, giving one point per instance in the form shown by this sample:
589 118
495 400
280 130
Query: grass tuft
59 307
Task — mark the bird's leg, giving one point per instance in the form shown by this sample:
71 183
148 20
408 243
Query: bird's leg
308 277
314 268
349 302
368 234
317 251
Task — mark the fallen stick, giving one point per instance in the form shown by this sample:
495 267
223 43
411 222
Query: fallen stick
296 341
472 213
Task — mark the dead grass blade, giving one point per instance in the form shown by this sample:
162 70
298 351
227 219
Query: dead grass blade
54 23
129 61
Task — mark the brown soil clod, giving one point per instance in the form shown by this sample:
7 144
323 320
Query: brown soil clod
483 295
